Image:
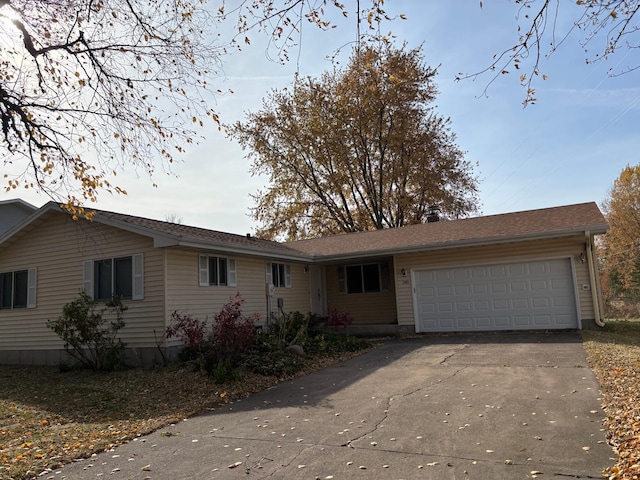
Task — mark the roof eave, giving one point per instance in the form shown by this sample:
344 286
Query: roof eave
592 229
254 252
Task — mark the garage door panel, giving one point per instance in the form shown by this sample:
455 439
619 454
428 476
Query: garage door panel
444 290
538 285
565 320
520 303
560 283
479 272
479 288
447 323
520 295
481 305
498 287
427 308
465 322
461 274
445 307
522 321
483 322
426 291
542 320
517 270
500 304
560 302
541 302
498 271
463 307
538 268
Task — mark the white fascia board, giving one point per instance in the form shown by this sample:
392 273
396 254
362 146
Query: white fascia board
595 230
234 250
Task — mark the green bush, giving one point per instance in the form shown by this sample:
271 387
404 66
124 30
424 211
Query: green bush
231 345
89 333
293 328
269 356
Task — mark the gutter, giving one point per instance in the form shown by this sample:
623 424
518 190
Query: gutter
478 242
294 255
595 291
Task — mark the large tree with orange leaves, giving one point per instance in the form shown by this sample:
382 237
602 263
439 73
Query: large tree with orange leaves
360 148
89 88
621 244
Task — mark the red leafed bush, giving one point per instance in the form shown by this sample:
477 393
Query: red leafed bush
191 331
232 333
339 320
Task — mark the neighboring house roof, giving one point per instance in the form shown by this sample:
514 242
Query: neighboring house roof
508 227
14 211
528 225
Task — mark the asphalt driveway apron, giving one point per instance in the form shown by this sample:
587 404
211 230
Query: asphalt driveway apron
491 406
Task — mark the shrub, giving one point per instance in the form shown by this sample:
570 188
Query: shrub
339 320
288 329
231 335
192 332
217 350
89 333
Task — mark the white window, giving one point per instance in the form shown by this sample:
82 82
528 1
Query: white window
217 271
364 278
121 276
279 274
18 289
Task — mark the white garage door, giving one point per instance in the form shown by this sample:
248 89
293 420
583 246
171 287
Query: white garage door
529 295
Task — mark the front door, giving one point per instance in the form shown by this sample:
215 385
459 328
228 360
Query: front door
317 290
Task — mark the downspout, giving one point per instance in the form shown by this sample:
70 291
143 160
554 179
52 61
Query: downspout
593 278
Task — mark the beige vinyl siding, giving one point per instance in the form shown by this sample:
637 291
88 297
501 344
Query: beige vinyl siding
555 248
203 302
297 297
185 295
57 246
365 308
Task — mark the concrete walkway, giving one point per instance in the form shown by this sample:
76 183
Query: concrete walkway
508 406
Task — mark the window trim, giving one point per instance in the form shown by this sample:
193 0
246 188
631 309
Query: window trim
287 275
383 278
30 286
203 271
137 275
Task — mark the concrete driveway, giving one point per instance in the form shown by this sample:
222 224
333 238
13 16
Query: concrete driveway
491 406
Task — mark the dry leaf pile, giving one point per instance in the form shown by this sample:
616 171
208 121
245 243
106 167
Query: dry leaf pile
615 356
48 418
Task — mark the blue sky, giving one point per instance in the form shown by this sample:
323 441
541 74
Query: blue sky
567 148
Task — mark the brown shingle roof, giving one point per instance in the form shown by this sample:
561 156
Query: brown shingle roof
546 222
195 236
